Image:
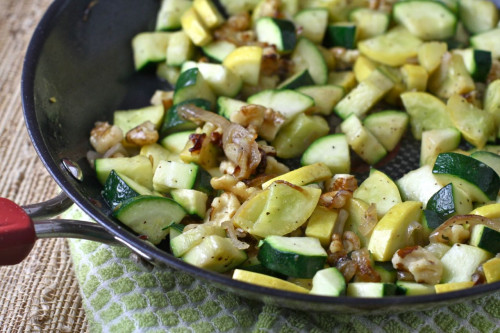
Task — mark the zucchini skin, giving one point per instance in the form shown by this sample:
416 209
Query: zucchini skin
290 263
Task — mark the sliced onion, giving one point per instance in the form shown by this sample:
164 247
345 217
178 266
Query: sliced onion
196 114
231 232
341 220
118 148
370 219
464 220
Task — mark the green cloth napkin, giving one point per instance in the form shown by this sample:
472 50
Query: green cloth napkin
120 295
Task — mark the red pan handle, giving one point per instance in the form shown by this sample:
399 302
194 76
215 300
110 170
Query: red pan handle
17 233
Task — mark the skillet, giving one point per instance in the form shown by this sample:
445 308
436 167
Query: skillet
78 70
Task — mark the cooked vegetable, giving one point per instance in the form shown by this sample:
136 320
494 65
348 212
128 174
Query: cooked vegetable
276 117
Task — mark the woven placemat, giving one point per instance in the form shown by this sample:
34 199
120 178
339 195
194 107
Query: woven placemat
41 294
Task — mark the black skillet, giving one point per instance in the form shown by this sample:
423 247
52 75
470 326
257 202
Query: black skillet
78 70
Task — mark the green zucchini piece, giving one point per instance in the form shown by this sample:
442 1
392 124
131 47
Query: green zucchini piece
414 289
477 62
218 50
149 48
288 102
369 22
312 22
474 177
193 201
371 188
299 257
180 49
461 261
226 106
277 32
362 141
492 102
118 188
485 238
447 202
177 175
478 15
487 41
221 80
371 289
297 80
490 159
437 141
307 55
138 168
428 20
215 253
387 126
176 142
294 138
168 73
128 119
169 15
328 282
365 95
387 273
426 112
418 185
325 96
190 85
343 34
150 216
192 237
332 150
173 123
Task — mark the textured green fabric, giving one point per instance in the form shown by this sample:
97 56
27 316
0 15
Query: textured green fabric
121 296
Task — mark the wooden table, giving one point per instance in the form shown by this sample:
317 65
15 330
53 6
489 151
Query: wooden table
40 294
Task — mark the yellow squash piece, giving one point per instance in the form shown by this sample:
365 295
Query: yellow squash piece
302 176
278 210
476 125
390 233
245 62
358 215
208 13
345 79
267 281
452 286
392 48
321 224
430 54
491 211
363 67
155 153
491 270
194 27
415 77
452 77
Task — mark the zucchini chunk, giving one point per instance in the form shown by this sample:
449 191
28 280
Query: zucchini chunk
180 49
413 288
298 257
492 102
278 32
369 22
218 50
328 282
138 168
371 289
428 20
478 15
461 261
437 141
193 201
362 141
128 119
176 142
149 47
226 106
485 238
169 15
365 95
474 177
308 56
221 80
488 41
490 159
177 175
447 202
418 185
150 216
387 126
288 102
332 150
312 22
173 123
118 188
215 253
343 34
297 80
184 242
191 85
477 62
325 96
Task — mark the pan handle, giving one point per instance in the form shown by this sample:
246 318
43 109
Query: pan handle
20 227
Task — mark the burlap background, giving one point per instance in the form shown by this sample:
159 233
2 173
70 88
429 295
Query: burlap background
41 294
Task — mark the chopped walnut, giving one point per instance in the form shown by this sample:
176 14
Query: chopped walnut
335 199
350 241
230 184
421 263
163 97
104 136
342 182
223 208
274 167
144 134
259 119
